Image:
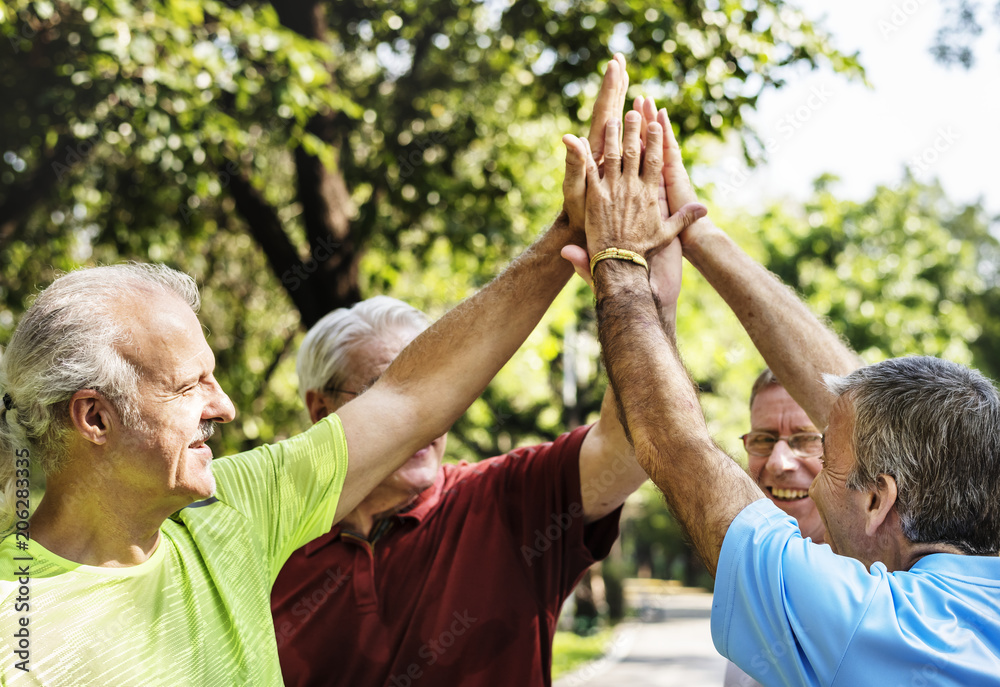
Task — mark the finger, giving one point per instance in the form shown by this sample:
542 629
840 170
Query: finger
622 82
652 165
638 105
661 200
622 90
684 218
594 173
575 181
675 177
605 106
649 109
577 256
612 151
632 147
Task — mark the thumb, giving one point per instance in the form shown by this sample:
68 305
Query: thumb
684 218
578 257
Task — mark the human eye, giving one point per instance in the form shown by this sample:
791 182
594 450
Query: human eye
761 440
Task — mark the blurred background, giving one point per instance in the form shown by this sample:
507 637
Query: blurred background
297 156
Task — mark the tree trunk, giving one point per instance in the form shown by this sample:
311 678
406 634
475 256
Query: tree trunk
328 278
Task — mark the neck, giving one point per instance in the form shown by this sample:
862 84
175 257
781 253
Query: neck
93 524
377 506
914 552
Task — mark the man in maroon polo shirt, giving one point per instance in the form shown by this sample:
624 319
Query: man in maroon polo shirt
453 574
445 574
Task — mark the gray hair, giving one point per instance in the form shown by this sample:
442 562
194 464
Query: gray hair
68 340
325 356
765 380
934 426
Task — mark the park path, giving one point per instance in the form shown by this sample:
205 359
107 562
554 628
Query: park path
670 647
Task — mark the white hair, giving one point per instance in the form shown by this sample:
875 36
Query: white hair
325 356
69 340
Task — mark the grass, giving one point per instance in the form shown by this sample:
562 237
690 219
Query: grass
570 651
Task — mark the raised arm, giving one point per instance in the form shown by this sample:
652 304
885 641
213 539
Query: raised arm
609 471
432 382
704 487
795 344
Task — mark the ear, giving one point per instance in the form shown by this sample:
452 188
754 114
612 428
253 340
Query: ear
318 405
92 415
881 501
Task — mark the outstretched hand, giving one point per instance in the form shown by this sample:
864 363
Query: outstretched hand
665 265
623 210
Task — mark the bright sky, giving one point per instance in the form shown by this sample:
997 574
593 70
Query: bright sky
943 122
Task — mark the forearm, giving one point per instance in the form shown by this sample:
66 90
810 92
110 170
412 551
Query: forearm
797 347
435 379
704 487
609 471
450 364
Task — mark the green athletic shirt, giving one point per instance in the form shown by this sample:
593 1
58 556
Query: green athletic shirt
197 612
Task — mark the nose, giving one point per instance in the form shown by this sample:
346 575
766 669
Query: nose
220 407
781 459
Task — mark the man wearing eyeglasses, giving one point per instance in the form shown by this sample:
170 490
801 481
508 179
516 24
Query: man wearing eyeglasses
784 455
784 452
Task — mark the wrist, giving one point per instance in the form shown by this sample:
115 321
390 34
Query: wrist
698 240
615 273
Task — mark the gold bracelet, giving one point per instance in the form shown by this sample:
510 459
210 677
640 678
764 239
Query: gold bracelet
618 254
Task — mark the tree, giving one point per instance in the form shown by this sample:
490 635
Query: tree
961 29
293 158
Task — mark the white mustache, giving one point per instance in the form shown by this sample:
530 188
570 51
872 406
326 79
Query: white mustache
206 430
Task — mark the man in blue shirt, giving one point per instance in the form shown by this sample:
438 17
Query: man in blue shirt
908 590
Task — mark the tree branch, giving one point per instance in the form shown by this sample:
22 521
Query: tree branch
22 198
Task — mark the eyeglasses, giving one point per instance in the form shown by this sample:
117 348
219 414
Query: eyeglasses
802 444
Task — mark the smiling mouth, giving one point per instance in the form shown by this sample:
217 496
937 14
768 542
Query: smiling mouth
788 494
199 446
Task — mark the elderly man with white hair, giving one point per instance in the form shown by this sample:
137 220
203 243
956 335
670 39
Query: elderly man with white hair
443 574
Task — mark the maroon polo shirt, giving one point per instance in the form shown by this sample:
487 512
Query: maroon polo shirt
463 589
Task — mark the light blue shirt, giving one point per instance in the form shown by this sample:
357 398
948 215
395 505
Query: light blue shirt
790 612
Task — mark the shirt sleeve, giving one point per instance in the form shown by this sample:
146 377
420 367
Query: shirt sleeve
544 511
289 491
785 610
